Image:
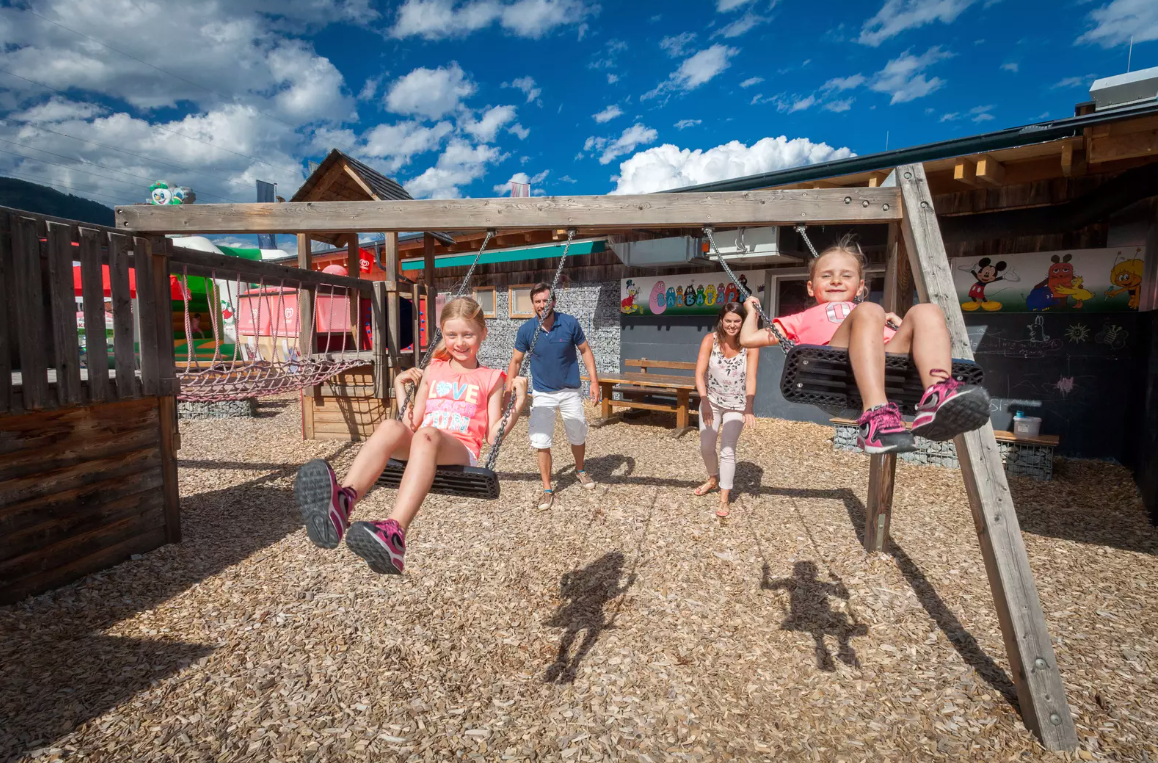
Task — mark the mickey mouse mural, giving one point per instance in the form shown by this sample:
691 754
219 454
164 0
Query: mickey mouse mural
161 194
984 272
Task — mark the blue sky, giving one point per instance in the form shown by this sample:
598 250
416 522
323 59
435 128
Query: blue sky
456 99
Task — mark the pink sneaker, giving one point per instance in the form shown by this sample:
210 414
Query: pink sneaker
882 430
381 544
325 507
949 408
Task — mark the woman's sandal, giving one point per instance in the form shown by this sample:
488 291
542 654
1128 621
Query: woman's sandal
704 489
548 500
722 512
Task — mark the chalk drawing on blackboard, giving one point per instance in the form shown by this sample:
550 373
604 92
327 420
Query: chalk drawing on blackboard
1113 336
1038 344
1078 333
1064 385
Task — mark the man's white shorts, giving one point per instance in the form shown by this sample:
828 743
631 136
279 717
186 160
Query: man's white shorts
541 424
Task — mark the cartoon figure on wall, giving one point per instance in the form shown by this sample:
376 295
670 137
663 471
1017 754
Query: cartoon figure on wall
627 304
710 295
658 301
1126 277
700 299
690 295
161 194
721 293
671 296
1058 287
730 295
985 272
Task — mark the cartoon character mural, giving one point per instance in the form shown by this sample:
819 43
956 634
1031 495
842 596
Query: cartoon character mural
1057 287
984 273
1126 277
161 194
710 295
690 295
731 295
627 304
671 296
700 298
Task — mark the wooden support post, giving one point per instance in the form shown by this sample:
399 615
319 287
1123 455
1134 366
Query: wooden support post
393 320
307 298
354 270
428 267
92 293
415 322
7 324
883 469
379 328
167 420
167 383
1040 692
124 356
146 309
62 301
30 315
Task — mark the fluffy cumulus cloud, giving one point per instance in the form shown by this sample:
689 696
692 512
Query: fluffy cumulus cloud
459 164
397 144
1121 20
430 93
612 148
896 16
903 77
609 113
438 19
667 166
695 70
488 125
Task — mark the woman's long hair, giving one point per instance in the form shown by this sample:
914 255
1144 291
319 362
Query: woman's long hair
729 308
464 309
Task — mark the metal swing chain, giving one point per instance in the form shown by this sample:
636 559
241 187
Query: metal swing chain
436 336
786 344
494 454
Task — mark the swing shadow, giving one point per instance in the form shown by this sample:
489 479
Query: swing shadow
809 612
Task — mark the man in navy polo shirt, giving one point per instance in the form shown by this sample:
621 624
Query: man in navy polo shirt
555 378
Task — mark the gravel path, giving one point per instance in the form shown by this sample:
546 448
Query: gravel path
621 625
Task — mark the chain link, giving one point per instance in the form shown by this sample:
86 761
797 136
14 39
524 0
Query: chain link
786 344
436 337
502 433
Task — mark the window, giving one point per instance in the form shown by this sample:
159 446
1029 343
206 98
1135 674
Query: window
485 296
520 301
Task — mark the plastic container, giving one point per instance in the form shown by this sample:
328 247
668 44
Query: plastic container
1026 426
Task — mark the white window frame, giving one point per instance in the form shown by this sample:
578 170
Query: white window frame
494 311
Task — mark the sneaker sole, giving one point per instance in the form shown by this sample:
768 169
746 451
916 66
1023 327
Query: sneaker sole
365 544
874 450
314 490
963 413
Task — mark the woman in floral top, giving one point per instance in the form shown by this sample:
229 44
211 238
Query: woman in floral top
726 381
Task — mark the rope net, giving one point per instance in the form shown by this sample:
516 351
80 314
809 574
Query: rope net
261 371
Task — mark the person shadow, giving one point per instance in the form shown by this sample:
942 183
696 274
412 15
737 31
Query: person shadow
809 611
585 593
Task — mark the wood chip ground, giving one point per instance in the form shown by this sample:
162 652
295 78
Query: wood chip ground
622 625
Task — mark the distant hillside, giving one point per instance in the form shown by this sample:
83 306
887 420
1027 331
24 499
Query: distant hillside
31 197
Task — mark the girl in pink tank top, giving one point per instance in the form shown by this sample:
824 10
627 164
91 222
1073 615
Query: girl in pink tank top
458 405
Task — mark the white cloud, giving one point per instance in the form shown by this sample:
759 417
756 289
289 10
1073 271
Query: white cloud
430 93
58 110
903 77
438 19
667 166
1011 66
981 113
838 106
522 177
683 124
567 179
1121 20
399 143
493 120
631 138
677 45
370 89
840 84
952 116
612 79
740 26
1070 82
459 164
527 85
723 6
696 70
895 16
800 104
311 85
609 113
519 131
751 81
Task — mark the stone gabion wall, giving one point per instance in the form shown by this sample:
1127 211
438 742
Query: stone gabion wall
594 305
230 409
1023 460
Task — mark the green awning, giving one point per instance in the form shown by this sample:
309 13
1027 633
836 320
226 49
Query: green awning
244 253
508 255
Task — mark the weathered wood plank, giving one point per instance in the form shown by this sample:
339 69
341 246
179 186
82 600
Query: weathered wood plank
354 270
92 292
1041 694
167 421
207 264
7 322
393 315
416 321
150 331
751 208
62 300
162 249
124 354
307 297
28 300
379 341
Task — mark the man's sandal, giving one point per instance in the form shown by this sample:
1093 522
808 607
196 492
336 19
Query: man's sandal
585 479
548 499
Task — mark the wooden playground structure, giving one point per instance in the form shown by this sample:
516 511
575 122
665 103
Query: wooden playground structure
916 257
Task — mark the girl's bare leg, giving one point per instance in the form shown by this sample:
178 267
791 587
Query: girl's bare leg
924 333
392 437
863 333
429 447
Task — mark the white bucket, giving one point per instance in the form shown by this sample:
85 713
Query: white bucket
1027 426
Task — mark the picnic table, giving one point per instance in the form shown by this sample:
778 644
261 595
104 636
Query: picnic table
683 387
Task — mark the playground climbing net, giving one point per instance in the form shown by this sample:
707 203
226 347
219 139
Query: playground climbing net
260 371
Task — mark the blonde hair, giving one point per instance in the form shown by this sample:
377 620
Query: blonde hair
846 244
461 309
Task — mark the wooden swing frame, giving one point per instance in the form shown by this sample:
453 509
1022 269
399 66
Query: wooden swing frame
916 251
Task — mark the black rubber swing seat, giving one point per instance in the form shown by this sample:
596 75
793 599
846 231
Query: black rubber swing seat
822 376
462 481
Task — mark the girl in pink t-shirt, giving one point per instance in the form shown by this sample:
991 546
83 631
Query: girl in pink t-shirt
947 409
458 405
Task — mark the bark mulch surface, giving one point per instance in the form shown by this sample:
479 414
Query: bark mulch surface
627 623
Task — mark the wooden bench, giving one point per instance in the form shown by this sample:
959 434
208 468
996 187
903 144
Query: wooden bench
635 386
1024 456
